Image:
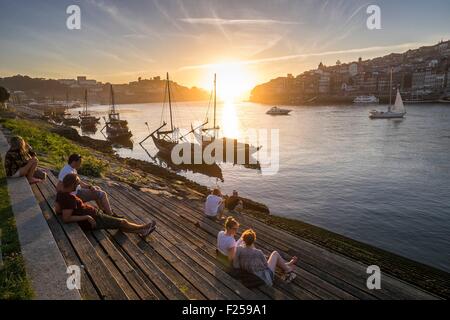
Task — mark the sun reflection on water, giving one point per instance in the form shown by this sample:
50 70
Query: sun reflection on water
229 123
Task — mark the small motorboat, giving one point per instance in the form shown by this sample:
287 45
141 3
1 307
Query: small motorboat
275 111
366 100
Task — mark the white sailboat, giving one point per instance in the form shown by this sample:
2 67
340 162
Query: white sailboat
395 111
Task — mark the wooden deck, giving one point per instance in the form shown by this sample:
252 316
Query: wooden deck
178 260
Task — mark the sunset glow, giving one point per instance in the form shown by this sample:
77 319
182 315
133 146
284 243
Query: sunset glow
234 81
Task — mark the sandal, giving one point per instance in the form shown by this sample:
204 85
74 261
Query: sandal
289 277
148 231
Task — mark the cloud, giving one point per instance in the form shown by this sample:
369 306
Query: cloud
307 55
219 21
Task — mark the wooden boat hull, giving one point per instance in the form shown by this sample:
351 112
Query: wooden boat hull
164 146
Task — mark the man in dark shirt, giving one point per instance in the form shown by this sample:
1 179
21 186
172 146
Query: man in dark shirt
75 210
234 203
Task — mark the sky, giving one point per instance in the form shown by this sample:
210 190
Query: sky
246 42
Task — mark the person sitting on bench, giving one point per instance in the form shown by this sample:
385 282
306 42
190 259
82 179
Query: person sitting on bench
252 260
214 205
233 203
21 161
75 210
226 244
85 191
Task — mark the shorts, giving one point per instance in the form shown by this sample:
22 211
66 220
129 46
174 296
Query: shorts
16 175
104 221
267 276
90 195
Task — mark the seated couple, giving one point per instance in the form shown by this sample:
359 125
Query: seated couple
73 209
243 255
21 161
215 204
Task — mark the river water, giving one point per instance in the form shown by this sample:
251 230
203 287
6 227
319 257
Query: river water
383 182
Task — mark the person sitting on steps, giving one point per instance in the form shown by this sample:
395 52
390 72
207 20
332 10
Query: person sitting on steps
214 205
252 260
226 243
234 204
73 209
21 161
84 191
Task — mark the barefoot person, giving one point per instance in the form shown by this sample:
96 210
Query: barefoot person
214 205
75 210
21 161
226 243
85 191
252 260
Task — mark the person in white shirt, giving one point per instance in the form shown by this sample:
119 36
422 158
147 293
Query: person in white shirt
226 243
84 191
214 205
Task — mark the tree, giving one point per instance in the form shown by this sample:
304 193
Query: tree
4 96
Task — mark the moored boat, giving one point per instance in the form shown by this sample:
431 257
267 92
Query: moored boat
275 111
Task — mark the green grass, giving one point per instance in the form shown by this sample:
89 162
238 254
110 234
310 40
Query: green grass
52 149
14 283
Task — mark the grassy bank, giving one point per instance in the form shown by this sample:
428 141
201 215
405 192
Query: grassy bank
52 149
14 283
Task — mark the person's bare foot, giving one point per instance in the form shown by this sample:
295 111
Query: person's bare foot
292 263
34 181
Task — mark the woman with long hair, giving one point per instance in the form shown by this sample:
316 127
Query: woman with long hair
21 161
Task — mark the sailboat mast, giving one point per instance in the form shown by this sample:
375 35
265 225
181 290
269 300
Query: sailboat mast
215 104
390 90
170 102
113 107
85 102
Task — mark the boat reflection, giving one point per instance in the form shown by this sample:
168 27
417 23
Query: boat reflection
210 170
124 142
88 129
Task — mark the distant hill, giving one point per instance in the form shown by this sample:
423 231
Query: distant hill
141 91
420 74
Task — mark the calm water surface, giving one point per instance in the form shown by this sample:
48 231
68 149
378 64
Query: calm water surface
383 182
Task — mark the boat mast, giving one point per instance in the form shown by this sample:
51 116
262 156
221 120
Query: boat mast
170 102
113 107
67 100
215 101
390 91
85 103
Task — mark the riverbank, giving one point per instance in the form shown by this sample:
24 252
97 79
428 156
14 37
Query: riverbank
52 150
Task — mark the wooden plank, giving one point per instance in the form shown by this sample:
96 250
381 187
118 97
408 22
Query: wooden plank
87 290
122 282
332 284
135 280
189 239
157 276
158 271
312 287
351 272
186 264
105 283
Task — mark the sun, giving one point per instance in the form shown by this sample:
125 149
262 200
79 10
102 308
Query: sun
234 81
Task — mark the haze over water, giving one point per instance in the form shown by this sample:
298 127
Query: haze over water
383 182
